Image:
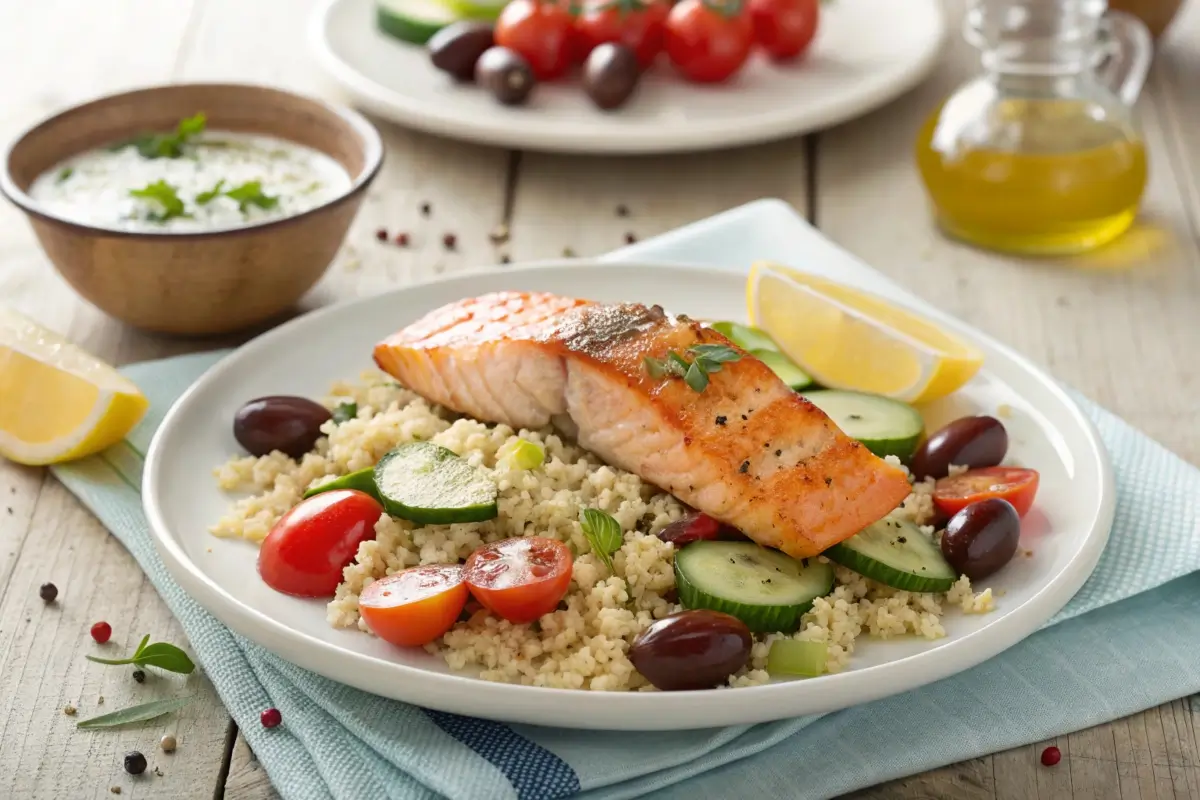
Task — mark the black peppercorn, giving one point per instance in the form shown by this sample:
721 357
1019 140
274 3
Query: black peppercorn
135 762
48 592
139 676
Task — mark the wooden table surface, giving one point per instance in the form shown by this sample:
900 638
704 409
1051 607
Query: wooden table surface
1120 326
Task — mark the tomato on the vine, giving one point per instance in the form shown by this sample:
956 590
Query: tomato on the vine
542 32
708 41
637 24
784 28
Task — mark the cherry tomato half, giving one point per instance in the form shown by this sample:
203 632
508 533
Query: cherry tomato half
542 32
707 41
416 606
1017 486
638 24
784 28
307 548
520 579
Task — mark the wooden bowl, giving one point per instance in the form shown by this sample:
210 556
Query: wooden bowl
196 283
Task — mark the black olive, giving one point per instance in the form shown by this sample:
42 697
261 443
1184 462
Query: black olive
288 424
456 48
696 649
968 442
982 537
506 74
610 75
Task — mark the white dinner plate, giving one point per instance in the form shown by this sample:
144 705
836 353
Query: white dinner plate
1065 531
866 53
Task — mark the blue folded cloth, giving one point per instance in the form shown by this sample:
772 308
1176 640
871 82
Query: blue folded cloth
1126 642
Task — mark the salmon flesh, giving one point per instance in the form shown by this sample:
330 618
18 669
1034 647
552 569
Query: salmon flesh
746 449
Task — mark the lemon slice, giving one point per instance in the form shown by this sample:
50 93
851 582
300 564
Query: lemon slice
57 402
848 339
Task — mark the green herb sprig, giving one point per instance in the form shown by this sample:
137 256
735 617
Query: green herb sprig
603 534
251 194
204 198
706 360
166 145
160 654
166 196
345 412
138 713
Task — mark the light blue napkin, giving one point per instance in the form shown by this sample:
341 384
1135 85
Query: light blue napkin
1108 653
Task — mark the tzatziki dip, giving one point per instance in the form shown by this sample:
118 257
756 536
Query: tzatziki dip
189 180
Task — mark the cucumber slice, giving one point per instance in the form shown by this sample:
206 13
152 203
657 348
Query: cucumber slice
898 554
428 484
785 368
413 21
764 588
745 337
362 481
885 426
483 10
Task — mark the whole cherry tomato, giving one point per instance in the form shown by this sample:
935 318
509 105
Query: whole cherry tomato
637 24
707 40
307 548
520 579
1017 486
784 28
542 32
415 606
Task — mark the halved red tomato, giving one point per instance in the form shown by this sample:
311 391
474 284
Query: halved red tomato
416 606
520 579
1017 486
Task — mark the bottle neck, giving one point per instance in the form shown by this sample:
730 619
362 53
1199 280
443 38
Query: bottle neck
1031 42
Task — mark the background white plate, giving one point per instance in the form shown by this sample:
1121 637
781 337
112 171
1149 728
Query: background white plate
1066 530
866 53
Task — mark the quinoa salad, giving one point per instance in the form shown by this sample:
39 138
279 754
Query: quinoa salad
637 569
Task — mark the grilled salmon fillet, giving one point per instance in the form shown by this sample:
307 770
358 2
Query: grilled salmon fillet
746 450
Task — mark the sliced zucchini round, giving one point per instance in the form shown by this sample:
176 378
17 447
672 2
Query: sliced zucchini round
766 589
896 553
429 484
885 426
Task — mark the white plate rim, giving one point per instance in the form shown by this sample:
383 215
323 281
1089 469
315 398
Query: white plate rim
628 710
405 111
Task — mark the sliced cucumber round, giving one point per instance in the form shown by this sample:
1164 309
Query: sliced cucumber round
745 337
428 484
785 368
765 589
885 426
362 481
898 554
413 21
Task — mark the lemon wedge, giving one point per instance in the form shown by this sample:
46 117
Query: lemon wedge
848 339
57 402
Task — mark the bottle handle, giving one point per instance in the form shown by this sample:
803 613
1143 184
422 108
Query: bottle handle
1125 54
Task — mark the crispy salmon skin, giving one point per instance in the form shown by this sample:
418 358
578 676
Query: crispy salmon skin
746 450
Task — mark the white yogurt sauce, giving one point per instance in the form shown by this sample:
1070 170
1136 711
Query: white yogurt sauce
94 187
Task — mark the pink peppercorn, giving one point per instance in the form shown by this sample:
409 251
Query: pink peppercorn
102 632
402 239
270 718
1051 756
381 234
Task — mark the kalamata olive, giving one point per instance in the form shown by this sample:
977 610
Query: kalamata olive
610 74
456 48
506 74
696 649
971 442
291 425
982 537
696 526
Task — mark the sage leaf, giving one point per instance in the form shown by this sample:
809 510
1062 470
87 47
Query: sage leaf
138 713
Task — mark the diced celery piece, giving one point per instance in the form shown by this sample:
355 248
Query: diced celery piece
792 657
521 454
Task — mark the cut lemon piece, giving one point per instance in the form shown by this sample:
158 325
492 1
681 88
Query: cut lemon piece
57 402
847 339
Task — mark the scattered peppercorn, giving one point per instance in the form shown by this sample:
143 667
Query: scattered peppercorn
630 238
1051 756
778 453
167 743
744 468
506 259
135 762
426 209
381 234
622 210
102 632
69 710
402 239
449 240
721 420
48 592
270 718
139 675
115 789
499 234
